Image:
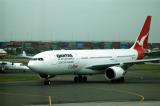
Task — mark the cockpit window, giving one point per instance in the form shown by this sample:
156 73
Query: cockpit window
35 59
40 59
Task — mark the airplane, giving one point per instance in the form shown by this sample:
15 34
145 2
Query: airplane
113 63
6 65
2 53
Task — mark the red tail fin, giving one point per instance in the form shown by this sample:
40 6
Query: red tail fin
141 43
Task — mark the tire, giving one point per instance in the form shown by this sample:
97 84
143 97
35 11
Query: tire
84 79
75 79
80 78
47 82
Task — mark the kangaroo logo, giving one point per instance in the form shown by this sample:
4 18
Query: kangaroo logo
141 42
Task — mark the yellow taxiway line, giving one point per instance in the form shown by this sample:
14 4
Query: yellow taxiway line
18 94
121 91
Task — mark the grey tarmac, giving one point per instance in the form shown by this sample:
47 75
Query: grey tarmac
139 89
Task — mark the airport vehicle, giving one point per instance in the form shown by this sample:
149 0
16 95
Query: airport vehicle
113 63
2 53
5 65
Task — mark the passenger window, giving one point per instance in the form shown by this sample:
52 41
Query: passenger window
35 59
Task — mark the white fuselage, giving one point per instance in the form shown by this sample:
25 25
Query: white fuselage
13 66
16 66
58 62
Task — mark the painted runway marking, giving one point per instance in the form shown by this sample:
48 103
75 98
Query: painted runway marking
14 82
122 91
35 95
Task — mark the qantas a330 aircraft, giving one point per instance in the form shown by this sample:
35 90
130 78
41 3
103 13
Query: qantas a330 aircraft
113 63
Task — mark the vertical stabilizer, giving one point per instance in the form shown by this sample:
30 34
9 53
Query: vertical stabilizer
141 43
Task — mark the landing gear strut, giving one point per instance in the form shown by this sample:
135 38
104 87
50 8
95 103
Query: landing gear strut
80 78
46 77
47 82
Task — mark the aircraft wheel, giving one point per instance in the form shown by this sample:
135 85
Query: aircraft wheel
75 79
122 79
80 78
47 82
84 79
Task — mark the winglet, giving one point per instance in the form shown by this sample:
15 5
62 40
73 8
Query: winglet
141 43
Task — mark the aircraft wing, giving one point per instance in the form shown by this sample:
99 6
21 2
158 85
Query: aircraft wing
125 64
102 66
27 57
143 60
152 54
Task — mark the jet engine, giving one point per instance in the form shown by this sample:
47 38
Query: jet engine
114 73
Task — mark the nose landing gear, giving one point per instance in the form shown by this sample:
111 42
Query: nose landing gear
47 82
46 77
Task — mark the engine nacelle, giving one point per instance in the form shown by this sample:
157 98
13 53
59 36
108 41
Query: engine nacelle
114 73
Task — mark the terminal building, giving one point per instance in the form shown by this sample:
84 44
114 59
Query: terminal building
34 47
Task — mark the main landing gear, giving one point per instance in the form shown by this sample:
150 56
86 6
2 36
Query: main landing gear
80 78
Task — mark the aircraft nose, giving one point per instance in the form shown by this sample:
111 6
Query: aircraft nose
34 66
31 65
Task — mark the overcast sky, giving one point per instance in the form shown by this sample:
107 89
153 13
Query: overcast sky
77 20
